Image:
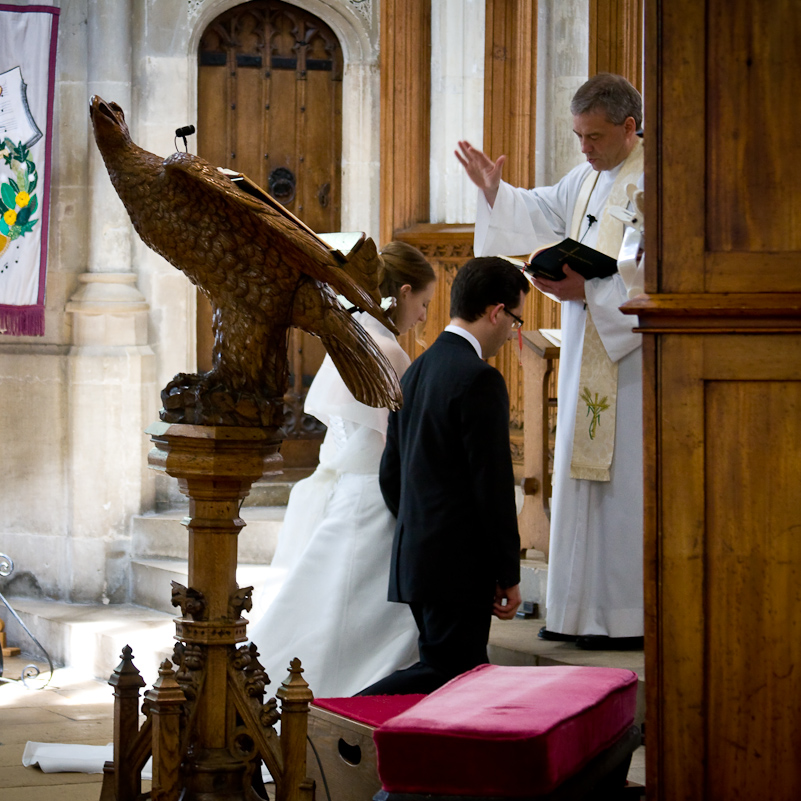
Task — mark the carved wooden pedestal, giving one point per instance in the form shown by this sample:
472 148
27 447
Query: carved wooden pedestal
216 693
539 355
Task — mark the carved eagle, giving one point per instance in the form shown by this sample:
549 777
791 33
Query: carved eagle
262 272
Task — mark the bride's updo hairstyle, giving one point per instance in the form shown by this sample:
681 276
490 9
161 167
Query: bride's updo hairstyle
403 264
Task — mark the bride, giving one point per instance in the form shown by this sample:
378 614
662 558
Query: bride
326 599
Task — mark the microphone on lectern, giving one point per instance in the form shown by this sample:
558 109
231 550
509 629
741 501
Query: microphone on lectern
187 130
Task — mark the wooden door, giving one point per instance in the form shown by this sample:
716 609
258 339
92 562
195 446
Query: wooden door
270 106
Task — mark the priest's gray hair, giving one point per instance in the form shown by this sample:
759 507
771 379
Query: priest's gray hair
609 93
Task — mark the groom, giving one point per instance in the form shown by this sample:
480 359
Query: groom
446 474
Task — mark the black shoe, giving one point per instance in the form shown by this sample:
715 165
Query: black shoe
600 642
555 636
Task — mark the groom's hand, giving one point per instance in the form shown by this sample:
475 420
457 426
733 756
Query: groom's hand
506 601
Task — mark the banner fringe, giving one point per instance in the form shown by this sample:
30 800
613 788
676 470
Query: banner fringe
22 321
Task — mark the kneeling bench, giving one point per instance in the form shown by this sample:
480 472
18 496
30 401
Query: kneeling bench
341 757
559 732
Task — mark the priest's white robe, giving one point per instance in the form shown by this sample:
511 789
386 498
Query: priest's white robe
595 572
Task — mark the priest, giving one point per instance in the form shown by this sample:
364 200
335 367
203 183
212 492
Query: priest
595 578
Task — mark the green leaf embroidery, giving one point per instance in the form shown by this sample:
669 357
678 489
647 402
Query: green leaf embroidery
594 408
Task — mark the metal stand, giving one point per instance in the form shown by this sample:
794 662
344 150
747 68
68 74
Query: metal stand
29 671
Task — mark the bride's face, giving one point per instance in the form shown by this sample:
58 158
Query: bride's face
412 306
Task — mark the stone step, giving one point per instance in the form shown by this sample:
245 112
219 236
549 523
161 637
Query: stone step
90 637
161 535
151 579
534 580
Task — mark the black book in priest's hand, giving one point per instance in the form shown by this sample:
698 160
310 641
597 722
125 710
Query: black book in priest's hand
588 262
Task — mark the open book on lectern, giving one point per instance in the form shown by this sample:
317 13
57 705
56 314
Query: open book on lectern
339 243
547 262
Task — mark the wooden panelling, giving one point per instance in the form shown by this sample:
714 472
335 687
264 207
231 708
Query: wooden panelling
755 47
675 683
723 568
722 396
675 159
405 114
752 570
616 38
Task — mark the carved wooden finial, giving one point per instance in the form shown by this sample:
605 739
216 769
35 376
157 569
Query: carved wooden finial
126 674
165 690
294 687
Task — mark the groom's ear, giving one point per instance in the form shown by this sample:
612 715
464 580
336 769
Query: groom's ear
492 311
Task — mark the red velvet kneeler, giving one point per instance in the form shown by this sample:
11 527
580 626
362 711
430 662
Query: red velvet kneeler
505 732
494 732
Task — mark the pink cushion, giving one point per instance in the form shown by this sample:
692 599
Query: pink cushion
505 731
373 710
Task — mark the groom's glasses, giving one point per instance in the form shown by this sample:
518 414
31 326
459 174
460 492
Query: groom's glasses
518 321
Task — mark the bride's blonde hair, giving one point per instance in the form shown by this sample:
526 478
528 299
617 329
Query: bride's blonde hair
401 264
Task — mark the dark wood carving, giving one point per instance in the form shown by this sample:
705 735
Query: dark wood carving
263 272
192 602
209 725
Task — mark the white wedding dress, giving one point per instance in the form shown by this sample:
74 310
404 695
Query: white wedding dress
325 600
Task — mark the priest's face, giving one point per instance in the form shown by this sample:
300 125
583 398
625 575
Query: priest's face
603 143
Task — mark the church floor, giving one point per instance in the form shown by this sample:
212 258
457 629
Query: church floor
76 708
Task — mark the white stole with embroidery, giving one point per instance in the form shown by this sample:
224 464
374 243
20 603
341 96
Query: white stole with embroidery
594 433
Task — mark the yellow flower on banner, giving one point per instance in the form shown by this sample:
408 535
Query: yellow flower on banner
18 201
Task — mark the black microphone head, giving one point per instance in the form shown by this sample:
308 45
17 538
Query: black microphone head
185 131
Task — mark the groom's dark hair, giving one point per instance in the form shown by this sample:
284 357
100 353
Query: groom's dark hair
484 282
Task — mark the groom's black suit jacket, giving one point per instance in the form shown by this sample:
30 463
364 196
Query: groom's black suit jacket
446 474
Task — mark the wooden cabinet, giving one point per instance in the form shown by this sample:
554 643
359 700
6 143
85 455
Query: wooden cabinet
722 359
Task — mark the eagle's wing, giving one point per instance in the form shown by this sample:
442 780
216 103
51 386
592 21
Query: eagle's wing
305 251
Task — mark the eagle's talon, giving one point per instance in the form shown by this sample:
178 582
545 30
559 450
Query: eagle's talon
202 400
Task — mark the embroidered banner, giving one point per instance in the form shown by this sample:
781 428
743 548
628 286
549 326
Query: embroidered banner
27 78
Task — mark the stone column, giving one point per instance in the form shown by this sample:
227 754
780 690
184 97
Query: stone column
457 104
562 57
361 92
111 388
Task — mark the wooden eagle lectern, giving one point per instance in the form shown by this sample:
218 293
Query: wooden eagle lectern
207 725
